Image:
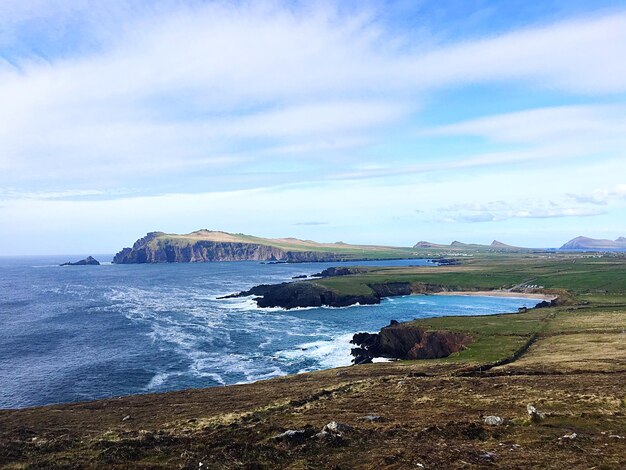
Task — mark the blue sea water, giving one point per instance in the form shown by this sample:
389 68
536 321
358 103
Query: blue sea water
85 332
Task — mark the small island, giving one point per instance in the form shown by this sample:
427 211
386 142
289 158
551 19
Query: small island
89 261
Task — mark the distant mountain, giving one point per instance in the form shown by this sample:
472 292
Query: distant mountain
495 245
423 244
586 243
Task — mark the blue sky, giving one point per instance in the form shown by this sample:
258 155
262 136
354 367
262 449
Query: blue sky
366 122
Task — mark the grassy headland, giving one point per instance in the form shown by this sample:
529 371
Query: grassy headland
567 361
209 245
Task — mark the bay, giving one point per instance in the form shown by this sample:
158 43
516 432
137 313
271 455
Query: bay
85 332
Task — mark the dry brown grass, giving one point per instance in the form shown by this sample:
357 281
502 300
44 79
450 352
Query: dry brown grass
589 352
590 321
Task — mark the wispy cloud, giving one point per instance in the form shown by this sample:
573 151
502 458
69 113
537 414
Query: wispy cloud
603 124
8 193
491 159
498 211
311 223
601 197
173 92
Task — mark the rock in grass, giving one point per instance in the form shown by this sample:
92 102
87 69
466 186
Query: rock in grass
494 420
337 428
534 413
371 418
293 436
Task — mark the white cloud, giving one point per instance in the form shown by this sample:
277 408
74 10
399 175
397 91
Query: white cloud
601 197
603 124
8 193
581 55
545 153
170 92
497 211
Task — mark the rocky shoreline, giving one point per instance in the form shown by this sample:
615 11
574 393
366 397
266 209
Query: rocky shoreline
308 293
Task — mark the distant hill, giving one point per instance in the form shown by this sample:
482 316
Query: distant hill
209 245
495 245
423 244
586 243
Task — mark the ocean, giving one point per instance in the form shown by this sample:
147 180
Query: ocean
79 333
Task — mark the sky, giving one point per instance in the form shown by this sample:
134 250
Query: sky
385 122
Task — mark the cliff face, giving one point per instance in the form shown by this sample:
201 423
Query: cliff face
401 341
154 249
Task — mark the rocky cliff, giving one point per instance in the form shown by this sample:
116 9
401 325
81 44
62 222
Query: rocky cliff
403 341
155 247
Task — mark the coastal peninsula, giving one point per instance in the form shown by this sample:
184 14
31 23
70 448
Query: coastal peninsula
208 245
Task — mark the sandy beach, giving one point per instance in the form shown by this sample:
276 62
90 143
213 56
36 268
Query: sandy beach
501 293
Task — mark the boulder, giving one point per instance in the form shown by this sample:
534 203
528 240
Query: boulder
337 428
371 418
294 436
534 413
494 420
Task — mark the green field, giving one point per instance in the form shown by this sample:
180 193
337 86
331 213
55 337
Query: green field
575 273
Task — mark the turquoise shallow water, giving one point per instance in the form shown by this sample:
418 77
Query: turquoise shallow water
79 333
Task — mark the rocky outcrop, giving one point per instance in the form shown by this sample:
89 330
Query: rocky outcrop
340 271
556 302
403 341
157 248
304 294
89 261
310 294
